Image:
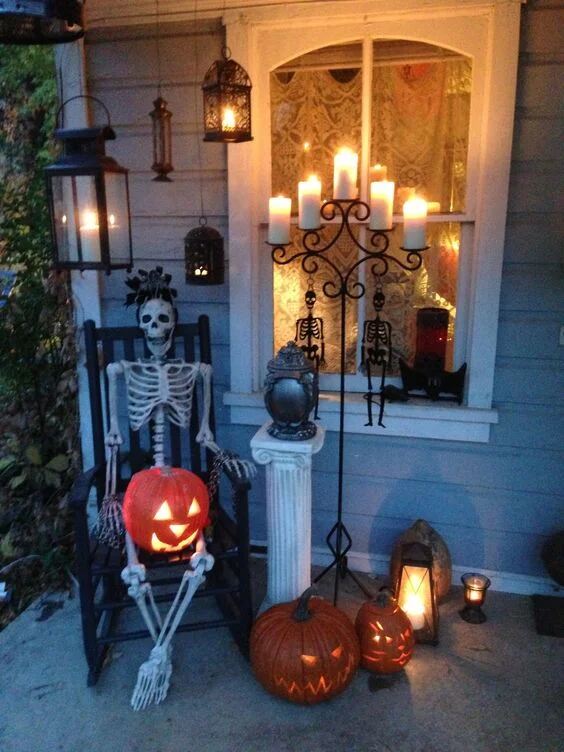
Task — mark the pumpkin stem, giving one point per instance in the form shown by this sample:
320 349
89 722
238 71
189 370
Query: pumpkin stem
385 596
302 612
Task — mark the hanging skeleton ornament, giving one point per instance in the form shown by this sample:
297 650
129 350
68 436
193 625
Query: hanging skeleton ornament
376 351
158 389
309 330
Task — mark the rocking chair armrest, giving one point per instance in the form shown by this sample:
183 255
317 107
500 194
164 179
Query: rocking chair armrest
80 491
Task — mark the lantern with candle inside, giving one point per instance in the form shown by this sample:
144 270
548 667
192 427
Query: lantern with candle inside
88 196
415 591
162 140
475 586
227 102
204 256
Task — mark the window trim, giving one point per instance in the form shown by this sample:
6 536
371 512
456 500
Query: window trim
263 38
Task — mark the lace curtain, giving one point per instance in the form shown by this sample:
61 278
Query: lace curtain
420 116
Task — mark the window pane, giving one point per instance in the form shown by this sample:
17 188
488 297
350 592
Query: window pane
432 286
289 288
420 119
316 103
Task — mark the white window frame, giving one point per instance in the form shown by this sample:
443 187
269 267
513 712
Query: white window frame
264 38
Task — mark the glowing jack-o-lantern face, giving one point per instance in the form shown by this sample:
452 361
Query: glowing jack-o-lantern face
165 508
385 634
305 651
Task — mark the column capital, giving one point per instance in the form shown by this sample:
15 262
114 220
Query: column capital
266 449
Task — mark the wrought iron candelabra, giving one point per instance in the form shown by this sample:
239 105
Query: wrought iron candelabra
344 285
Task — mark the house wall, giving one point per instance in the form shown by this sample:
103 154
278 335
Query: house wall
494 503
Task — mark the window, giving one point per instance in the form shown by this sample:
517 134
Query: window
419 113
469 55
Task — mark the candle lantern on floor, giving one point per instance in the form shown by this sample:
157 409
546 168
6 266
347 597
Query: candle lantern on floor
227 102
475 586
204 256
415 591
88 196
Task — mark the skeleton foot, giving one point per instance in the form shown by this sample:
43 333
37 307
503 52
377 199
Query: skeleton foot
153 678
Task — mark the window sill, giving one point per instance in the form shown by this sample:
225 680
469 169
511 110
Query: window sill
416 419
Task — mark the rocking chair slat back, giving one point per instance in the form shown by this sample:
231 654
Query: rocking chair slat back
106 344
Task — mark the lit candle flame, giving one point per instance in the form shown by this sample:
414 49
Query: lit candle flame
228 121
89 220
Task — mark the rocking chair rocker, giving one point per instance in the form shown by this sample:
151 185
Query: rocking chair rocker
98 567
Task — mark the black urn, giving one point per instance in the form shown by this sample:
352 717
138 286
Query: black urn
291 388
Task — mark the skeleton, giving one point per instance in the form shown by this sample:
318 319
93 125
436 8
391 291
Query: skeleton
159 389
376 351
310 331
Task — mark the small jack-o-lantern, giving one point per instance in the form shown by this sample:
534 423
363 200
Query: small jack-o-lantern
305 651
385 634
165 508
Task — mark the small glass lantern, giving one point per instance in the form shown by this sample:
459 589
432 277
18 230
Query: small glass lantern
415 591
475 586
88 195
204 256
162 140
40 21
227 102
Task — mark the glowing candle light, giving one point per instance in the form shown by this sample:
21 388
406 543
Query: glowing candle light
415 611
309 203
414 223
228 120
378 172
89 220
279 208
345 170
381 204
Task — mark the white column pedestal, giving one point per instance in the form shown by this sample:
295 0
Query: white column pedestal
288 512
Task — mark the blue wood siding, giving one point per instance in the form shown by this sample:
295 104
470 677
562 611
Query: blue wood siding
494 504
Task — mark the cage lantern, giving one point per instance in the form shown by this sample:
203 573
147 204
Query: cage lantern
204 256
88 196
227 102
162 140
40 21
415 591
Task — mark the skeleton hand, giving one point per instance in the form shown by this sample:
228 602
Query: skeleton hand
113 437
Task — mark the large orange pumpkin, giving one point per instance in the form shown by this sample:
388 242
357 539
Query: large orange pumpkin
165 508
305 651
385 635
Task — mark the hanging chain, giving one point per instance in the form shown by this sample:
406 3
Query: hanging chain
196 89
158 48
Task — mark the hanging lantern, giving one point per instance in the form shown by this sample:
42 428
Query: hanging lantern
227 102
88 195
162 141
204 256
415 592
40 21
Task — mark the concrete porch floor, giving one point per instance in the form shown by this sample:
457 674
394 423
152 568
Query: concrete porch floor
497 687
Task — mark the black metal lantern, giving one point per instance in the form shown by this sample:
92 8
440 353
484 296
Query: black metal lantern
162 140
204 256
227 102
415 591
40 21
88 196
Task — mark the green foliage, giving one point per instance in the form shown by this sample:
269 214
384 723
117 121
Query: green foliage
38 438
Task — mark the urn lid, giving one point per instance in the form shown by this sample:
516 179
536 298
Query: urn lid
290 358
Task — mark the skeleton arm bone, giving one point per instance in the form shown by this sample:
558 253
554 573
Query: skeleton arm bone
205 435
113 436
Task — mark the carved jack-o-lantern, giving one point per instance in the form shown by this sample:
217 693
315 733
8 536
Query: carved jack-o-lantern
305 651
165 508
385 634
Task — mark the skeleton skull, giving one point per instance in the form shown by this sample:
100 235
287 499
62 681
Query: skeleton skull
157 320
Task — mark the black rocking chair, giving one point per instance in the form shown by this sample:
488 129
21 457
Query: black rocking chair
98 567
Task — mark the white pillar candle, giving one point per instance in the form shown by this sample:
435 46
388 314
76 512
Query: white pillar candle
279 208
345 170
415 611
381 204
90 235
378 172
309 201
228 120
414 221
